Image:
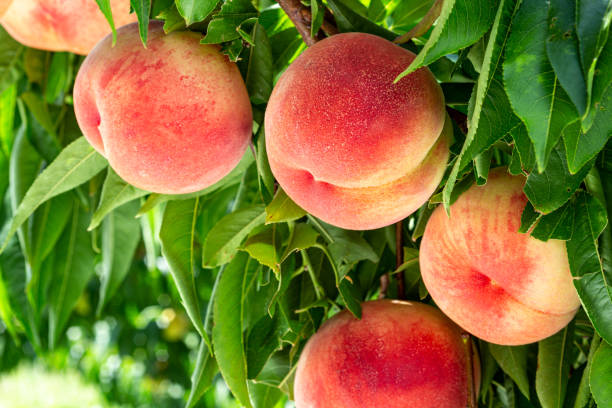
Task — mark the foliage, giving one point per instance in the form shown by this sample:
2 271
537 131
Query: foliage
224 286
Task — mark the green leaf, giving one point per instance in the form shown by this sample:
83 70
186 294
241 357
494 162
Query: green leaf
460 24
262 342
223 26
8 102
543 106
58 76
302 237
231 179
227 332
173 21
559 224
601 375
225 237
120 237
74 266
264 396
177 237
602 78
283 209
10 51
260 74
491 117
262 248
513 360
115 192
554 361
13 301
583 395
105 8
551 189
562 51
194 11
592 25
348 20
202 376
592 284
266 178
583 146
524 148
142 8
75 165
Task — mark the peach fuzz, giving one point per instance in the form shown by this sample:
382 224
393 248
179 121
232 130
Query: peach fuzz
61 25
172 118
349 145
498 284
400 354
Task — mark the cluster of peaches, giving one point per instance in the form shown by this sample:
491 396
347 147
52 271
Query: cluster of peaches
350 147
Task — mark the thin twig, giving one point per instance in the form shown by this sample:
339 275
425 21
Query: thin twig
424 25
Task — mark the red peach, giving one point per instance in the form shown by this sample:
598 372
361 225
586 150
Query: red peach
498 284
398 355
61 25
172 118
349 145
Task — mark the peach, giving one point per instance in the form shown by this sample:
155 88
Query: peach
498 284
61 25
400 354
349 145
172 118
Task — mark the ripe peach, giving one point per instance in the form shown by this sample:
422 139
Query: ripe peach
347 144
400 354
172 118
498 284
61 25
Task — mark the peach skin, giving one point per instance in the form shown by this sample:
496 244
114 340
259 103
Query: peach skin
349 145
61 25
498 284
171 118
400 354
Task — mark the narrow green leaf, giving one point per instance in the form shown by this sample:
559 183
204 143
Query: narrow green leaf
592 25
58 76
562 51
260 74
551 189
194 11
105 8
263 340
74 266
202 376
601 375
10 52
262 248
75 165
8 102
302 237
225 237
513 360
583 395
559 224
583 146
142 8
227 332
264 396
115 192
491 116
460 24
283 209
543 106
177 237
554 361
348 20
120 237
223 26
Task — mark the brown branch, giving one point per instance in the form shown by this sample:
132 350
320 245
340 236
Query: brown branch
301 17
384 286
